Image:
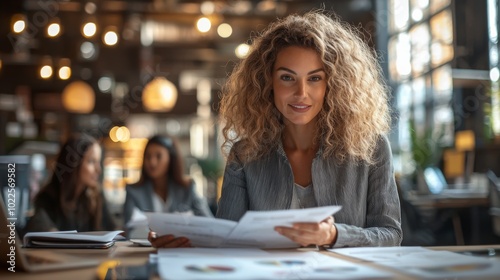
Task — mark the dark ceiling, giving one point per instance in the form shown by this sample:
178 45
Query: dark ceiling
177 49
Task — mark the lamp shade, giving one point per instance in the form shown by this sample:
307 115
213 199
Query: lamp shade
78 97
464 140
159 95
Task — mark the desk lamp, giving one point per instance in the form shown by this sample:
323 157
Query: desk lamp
465 142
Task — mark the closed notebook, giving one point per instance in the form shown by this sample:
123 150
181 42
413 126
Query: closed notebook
71 239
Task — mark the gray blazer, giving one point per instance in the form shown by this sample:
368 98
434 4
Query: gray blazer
370 214
181 199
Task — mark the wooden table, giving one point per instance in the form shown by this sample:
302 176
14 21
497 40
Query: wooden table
444 201
129 254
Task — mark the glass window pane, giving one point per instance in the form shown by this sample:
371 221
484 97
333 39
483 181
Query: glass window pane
442 38
420 42
399 15
404 132
443 122
404 95
442 83
419 9
418 87
399 57
437 5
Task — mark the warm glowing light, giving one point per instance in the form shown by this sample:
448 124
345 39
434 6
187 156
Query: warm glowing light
159 95
110 38
19 26
207 7
465 140
203 24
224 30
89 29
112 133
18 23
64 73
46 71
78 97
242 50
123 134
119 134
53 29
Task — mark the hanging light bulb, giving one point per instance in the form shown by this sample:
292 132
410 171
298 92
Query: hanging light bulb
18 23
110 36
46 68
224 30
64 69
54 28
204 24
159 95
78 97
89 29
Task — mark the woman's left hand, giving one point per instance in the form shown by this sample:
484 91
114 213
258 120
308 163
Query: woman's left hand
322 233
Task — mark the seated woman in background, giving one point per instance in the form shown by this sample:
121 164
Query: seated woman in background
72 199
162 186
306 118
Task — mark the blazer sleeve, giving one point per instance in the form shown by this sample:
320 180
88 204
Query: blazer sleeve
233 202
45 209
383 214
128 206
199 204
107 223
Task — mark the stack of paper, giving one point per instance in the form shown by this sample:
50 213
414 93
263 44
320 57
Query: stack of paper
425 263
71 239
255 229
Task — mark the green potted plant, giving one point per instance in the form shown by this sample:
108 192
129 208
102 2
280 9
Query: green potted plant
426 150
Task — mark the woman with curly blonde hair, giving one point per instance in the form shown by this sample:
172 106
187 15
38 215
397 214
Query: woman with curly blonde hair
305 118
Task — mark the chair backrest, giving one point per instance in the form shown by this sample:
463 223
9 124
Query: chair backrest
494 196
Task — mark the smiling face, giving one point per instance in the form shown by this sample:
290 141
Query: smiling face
156 161
299 85
90 169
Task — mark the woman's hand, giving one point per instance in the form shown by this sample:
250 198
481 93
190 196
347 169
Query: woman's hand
168 241
323 233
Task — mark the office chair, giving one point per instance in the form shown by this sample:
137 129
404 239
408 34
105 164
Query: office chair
494 196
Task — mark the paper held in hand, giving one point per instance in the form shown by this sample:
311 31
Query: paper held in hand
255 228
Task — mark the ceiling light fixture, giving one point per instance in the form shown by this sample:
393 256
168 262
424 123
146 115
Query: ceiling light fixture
18 23
159 95
89 29
203 24
78 97
110 36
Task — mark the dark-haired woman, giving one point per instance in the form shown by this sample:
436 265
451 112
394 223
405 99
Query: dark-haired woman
73 200
163 187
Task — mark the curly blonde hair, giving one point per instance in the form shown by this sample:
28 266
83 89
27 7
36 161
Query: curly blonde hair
355 112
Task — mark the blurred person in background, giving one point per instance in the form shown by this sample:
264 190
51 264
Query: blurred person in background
163 186
73 199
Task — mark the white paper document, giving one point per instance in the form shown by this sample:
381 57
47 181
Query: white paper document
426 263
138 218
255 228
202 231
276 265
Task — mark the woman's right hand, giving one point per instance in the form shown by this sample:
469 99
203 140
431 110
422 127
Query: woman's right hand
168 241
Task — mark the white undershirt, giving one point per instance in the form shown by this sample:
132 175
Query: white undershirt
302 197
